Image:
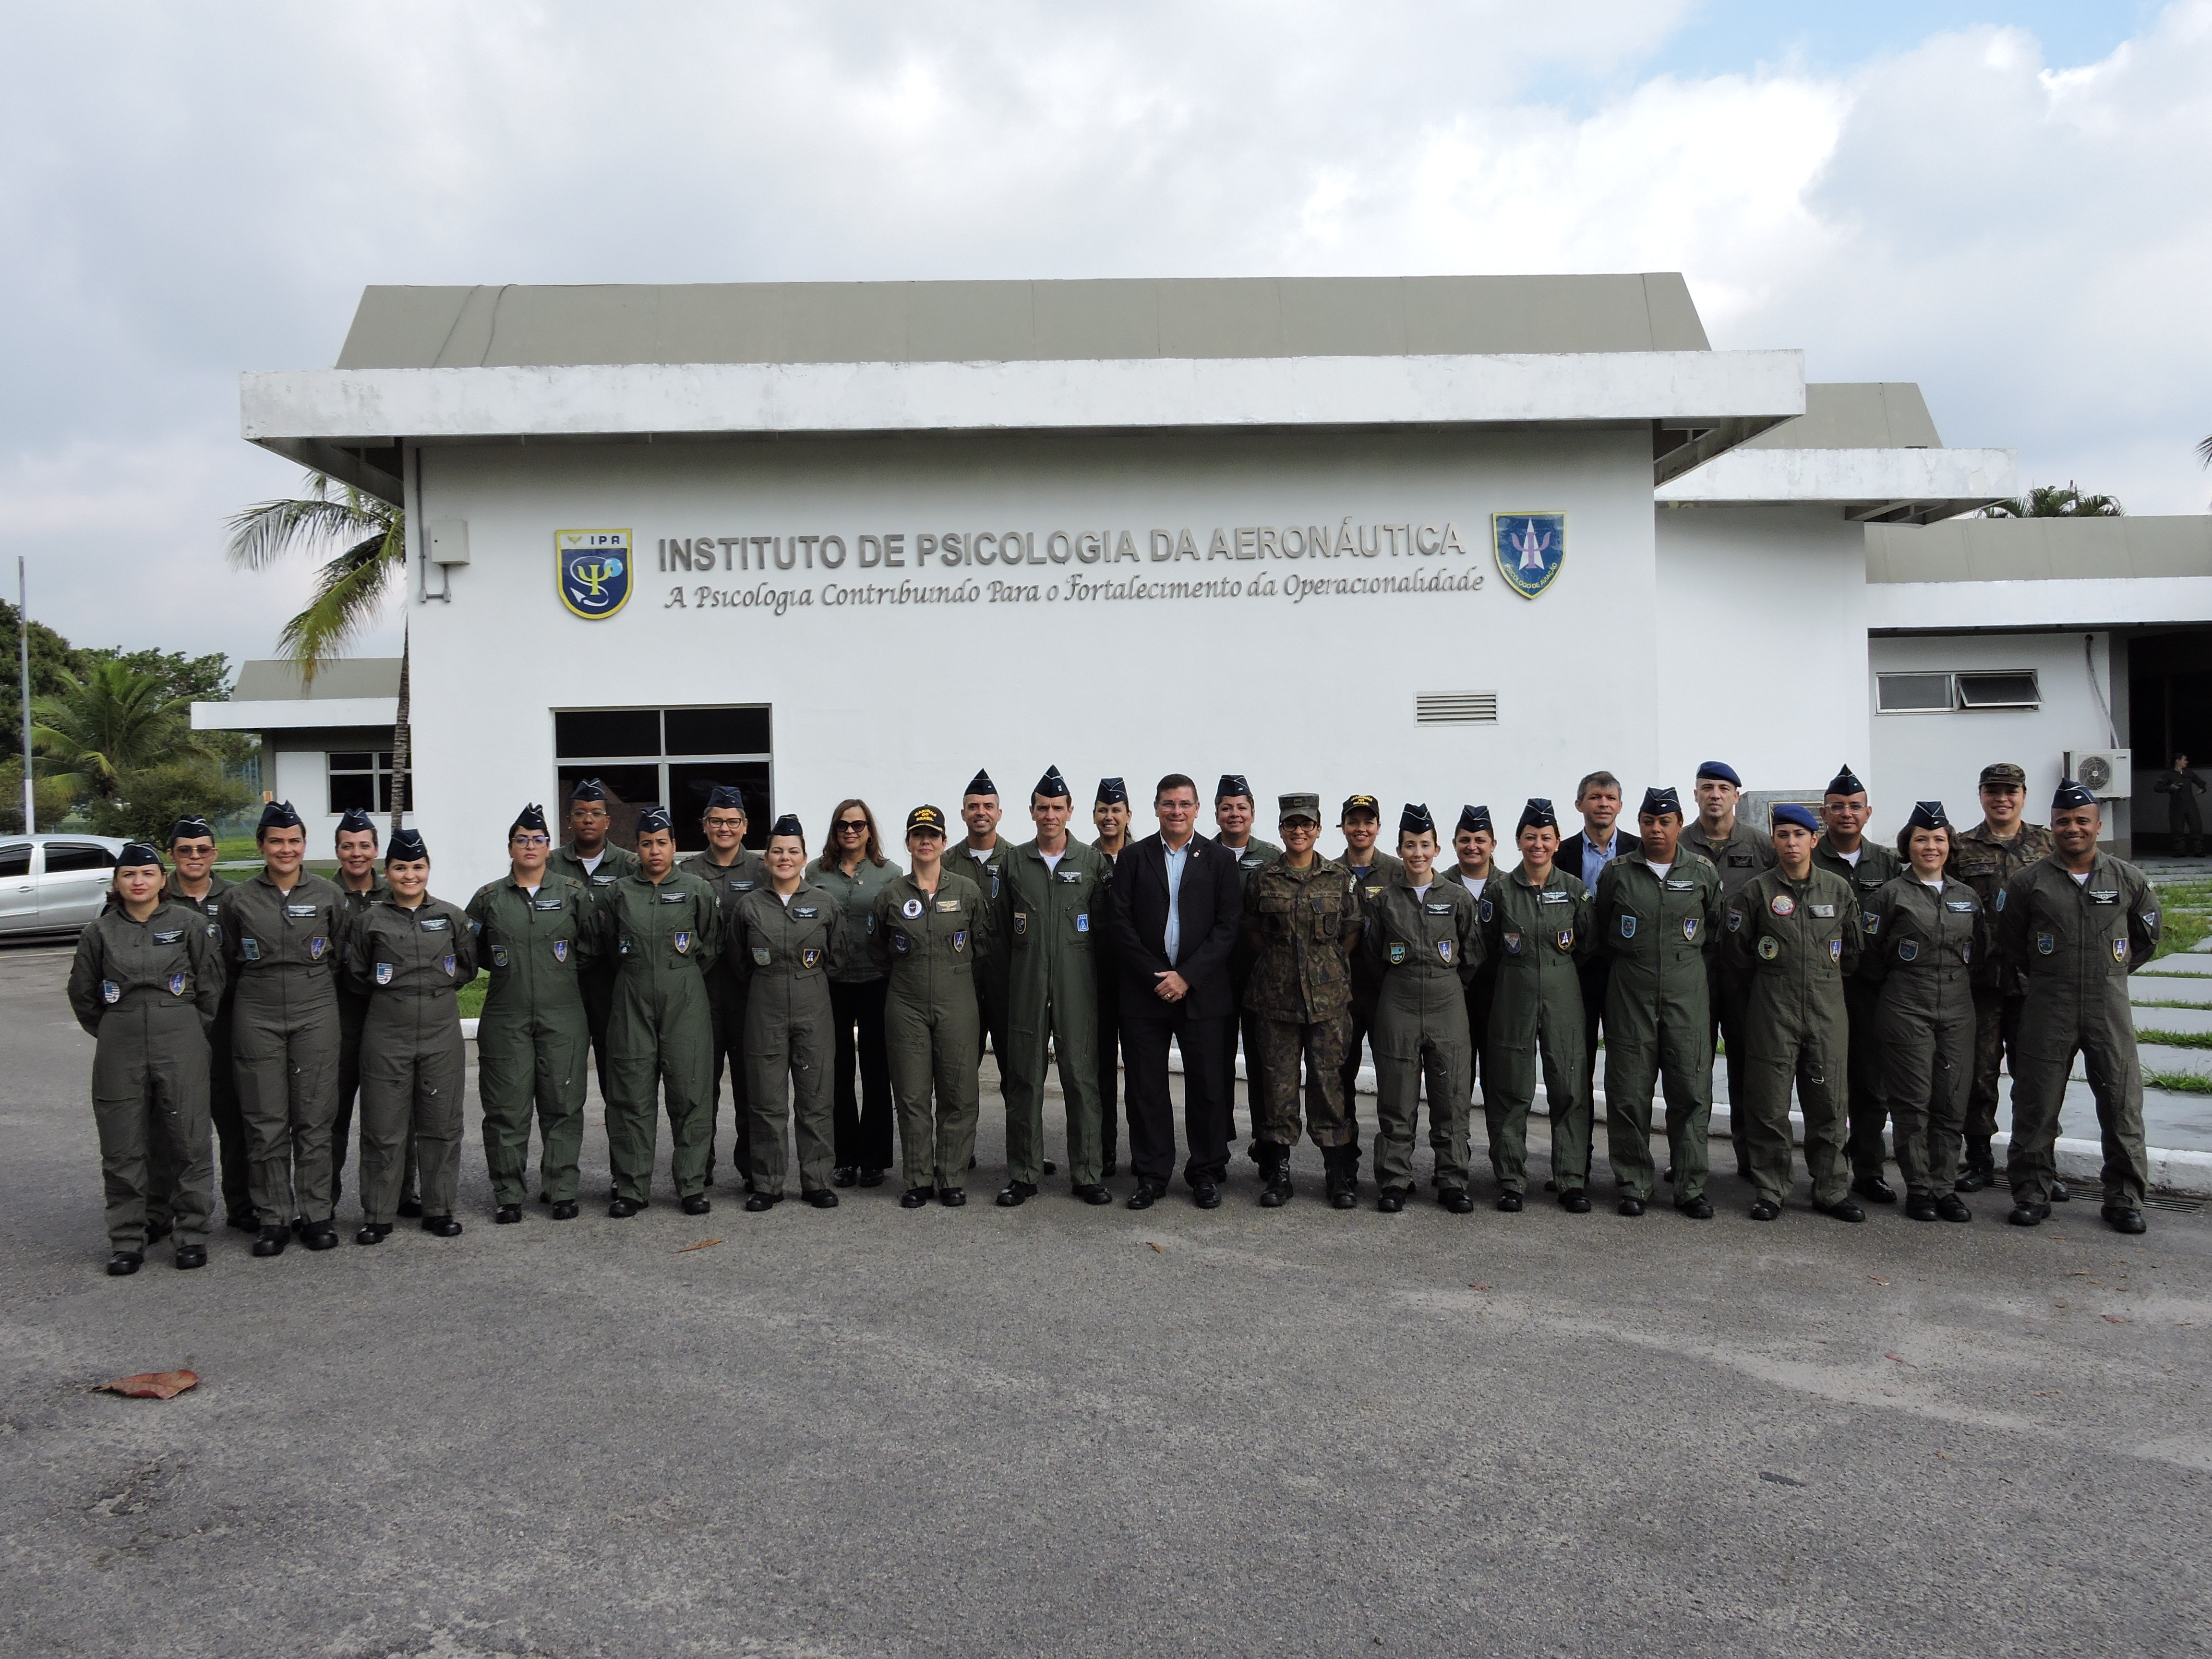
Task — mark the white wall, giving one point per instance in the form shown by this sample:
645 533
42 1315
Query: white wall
295 768
1760 637
902 704
1939 756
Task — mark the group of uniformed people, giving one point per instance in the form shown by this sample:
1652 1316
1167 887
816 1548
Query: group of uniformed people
1880 986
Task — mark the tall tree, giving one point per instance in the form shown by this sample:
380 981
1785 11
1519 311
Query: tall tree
370 539
2053 501
99 730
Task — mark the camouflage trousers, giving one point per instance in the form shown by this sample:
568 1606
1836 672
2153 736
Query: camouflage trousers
1997 1030
1322 1045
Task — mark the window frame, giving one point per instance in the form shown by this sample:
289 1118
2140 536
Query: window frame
756 828
383 781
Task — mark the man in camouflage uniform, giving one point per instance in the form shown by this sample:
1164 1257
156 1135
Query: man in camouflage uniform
1302 920
1986 858
1360 821
1844 850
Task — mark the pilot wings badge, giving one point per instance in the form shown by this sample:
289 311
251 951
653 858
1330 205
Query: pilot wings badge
1530 548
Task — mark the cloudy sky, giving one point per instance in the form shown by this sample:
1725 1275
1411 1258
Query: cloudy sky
2004 200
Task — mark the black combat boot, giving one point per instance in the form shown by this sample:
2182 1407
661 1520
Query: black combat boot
1274 1175
1343 1163
1980 1168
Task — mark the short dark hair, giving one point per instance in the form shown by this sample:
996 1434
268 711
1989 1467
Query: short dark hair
1904 843
1174 781
1597 781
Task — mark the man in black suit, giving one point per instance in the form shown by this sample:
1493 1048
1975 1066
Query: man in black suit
1584 855
1175 904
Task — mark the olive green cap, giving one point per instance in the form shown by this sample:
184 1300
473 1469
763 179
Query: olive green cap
1298 806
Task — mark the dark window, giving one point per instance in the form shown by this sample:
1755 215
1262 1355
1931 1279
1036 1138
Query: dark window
64 857
718 730
1914 694
1998 691
361 780
589 733
15 859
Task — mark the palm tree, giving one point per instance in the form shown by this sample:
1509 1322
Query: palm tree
2051 501
350 589
110 725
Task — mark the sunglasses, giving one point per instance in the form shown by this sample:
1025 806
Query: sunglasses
853 826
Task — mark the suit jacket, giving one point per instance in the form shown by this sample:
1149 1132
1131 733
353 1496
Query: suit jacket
1572 847
1595 967
1211 907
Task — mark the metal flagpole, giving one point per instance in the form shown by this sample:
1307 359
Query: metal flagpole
23 666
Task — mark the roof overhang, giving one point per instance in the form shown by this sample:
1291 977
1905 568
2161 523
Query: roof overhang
1873 486
295 714
351 422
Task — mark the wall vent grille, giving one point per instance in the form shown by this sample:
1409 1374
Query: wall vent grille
1455 709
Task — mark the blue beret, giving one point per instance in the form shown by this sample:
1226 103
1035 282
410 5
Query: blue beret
1720 769
1788 811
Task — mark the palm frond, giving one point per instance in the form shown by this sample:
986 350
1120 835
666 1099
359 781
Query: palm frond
2204 452
270 531
350 592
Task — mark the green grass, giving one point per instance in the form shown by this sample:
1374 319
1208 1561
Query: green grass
472 997
2178 1083
2177 1039
2198 1006
2188 906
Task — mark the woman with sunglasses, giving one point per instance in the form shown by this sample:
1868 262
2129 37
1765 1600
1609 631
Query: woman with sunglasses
854 868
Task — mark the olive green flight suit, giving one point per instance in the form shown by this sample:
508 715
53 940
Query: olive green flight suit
1658 932
1252 857
1424 948
353 1011
1050 921
2078 943
532 1038
282 950
1739 856
992 991
786 953
598 981
1301 925
1793 944
1869 1089
928 945
411 965
725 999
663 937
1986 864
231 1161
148 991
1538 936
1371 879
1917 957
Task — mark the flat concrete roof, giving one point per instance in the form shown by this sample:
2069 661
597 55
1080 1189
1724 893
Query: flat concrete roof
1106 320
2039 549
1856 415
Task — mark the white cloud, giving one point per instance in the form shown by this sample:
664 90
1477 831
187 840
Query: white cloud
187 194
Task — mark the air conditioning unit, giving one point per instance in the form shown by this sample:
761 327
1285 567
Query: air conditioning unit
2108 774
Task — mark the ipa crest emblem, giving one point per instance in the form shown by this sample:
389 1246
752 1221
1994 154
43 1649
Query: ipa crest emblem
594 575
1530 549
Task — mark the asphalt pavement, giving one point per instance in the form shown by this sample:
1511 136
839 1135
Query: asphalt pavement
1061 1429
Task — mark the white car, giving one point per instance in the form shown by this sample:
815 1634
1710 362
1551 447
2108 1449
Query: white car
54 884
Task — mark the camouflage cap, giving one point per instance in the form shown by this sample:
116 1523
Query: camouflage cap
1298 806
2004 772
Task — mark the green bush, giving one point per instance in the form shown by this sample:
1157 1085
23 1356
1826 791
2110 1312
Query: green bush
55 795
157 798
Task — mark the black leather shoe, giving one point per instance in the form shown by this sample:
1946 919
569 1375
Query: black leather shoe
299 1226
1631 1206
1109 1167
1920 1206
320 1235
272 1241
1575 1201
2124 1218
914 1198
123 1263
823 1199
760 1201
1455 1200
2060 1193
191 1255
1699 1208
411 1207
697 1204
1144 1197
1875 1189
844 1176
158 1230
1979 1169
2024 1214
1551 1183
1094 1194
1206 1195
1951 1207
622 1209
243 1220
544 1198
441 1226
565 1210
1014 1194
1050 1168
1843 1210
952 1197
871 1177
375 1232
1391 1200
1766 1210
1670 1176
507 1215
1510 1203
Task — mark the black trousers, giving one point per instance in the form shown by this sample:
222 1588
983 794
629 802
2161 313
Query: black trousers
993 996
1109 1055
862 1117
1145 1035
726 1002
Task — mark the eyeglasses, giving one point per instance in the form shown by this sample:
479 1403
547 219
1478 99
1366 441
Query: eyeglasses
853 826
530 840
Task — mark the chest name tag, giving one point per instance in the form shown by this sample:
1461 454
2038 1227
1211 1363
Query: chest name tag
545 904
1826 912
1071 877
169 937
805 912
945 906
1674 886
1959 907
433 924
671 898
2106 895
603 881
1555 896
743 887
1739 860
300 912
1438 909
